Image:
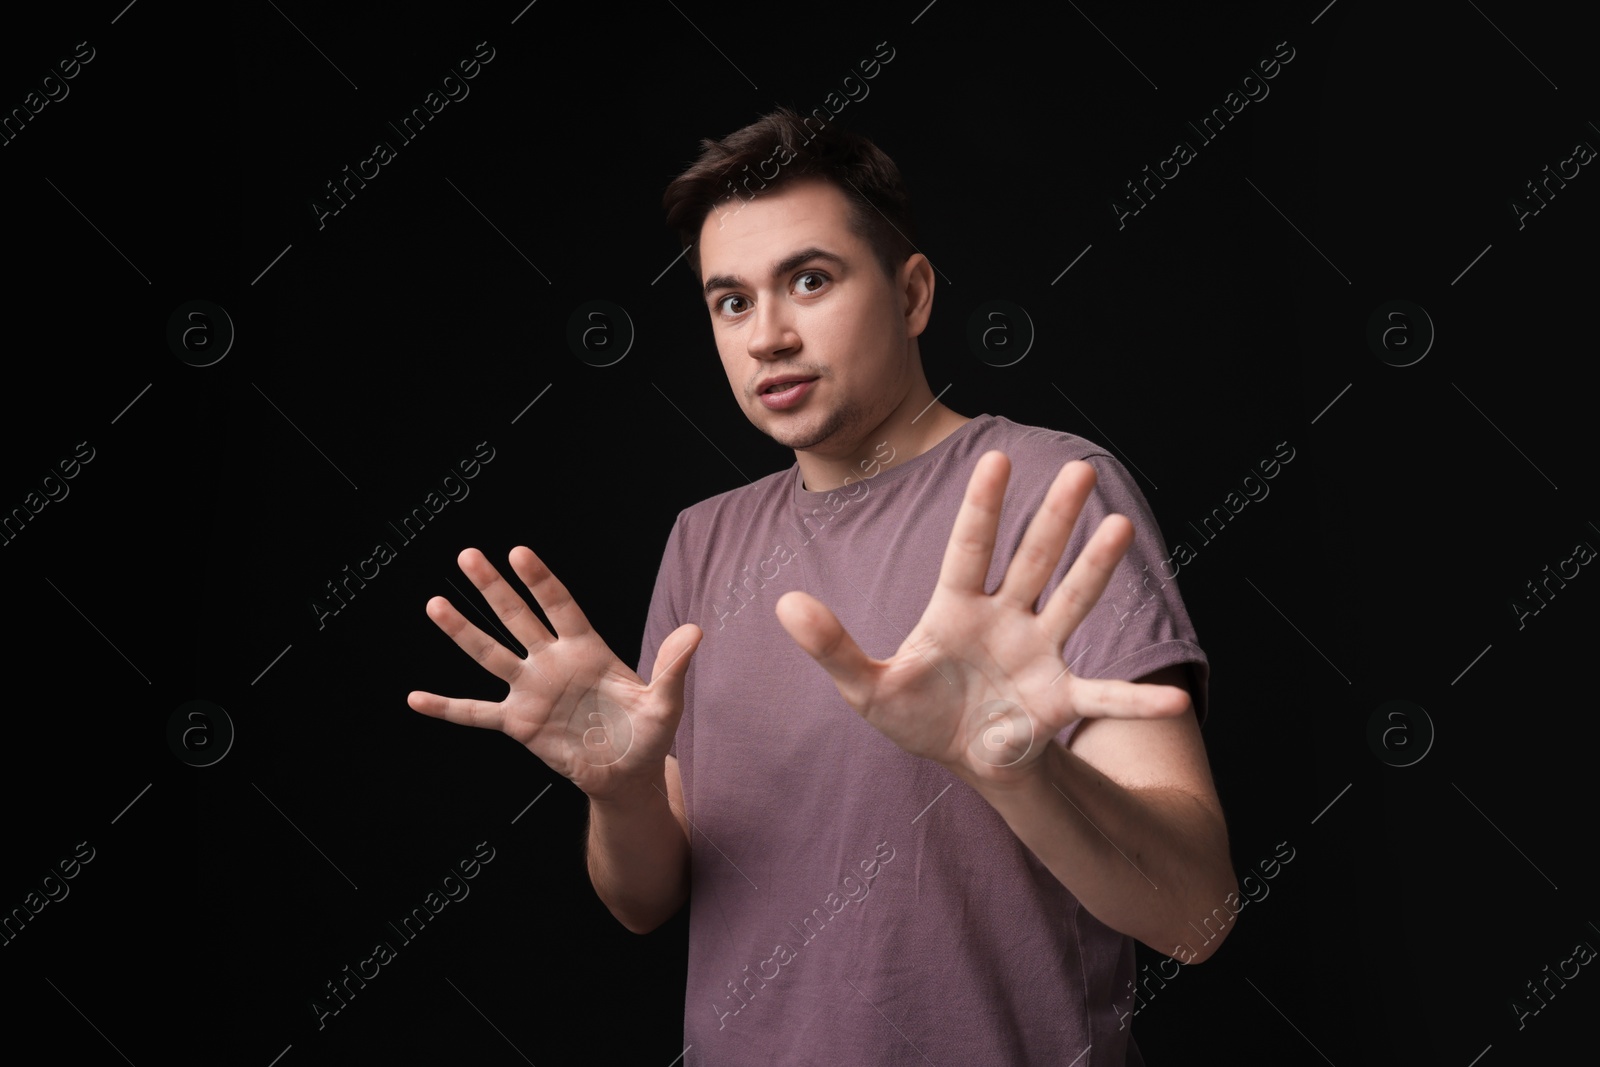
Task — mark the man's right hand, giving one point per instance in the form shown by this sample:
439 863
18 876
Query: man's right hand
573 703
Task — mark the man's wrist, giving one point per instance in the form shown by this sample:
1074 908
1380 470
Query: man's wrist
1037 770
630 794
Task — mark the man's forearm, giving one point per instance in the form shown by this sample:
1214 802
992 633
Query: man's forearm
1146 862
638 856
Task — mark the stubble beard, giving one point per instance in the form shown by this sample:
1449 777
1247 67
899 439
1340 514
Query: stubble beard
805 438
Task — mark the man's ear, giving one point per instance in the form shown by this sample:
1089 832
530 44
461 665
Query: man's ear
915 279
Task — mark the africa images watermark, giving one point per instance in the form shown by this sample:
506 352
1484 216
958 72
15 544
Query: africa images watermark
52 90
1582 954
834 502
854 89
1139 595
1251 89
1255 890
1552 582
1582 154
451 888
54 490
786 952
450 488
52 889
454 88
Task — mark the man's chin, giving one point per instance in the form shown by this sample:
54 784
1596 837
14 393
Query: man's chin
799 436
820 431
798 443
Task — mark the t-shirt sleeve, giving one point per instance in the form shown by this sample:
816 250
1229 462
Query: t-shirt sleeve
1140 624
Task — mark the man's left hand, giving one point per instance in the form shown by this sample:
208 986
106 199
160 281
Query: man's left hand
979 685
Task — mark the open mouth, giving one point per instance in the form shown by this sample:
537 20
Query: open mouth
776 387
782 395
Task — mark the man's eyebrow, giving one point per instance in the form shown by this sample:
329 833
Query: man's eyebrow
779 269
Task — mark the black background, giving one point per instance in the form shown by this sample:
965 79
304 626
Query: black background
376 350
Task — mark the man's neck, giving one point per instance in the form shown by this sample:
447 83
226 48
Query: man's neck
896 441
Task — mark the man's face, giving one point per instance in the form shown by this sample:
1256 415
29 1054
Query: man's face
796 295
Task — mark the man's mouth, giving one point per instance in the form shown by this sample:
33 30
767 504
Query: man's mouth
785 393
781 384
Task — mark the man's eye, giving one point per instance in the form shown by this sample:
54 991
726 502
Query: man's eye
732 305
810 281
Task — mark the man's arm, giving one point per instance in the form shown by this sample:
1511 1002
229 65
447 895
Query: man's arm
639 850
1127 818
590 718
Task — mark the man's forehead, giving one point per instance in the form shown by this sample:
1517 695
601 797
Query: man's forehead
752 237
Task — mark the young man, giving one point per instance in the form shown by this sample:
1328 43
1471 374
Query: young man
925 782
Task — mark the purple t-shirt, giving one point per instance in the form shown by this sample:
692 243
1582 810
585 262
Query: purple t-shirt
850 902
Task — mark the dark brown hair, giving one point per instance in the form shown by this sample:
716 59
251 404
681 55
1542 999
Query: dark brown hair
782 147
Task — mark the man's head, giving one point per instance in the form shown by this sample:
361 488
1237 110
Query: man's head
780 148
805 285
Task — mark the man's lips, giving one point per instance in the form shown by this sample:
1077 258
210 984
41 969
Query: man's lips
771 384
782 393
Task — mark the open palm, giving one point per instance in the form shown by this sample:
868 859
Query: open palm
572 702
979 684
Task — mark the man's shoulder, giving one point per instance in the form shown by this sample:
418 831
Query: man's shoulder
1037 454
740 502
1034 451
997 431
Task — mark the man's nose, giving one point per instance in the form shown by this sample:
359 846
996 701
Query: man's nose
774 333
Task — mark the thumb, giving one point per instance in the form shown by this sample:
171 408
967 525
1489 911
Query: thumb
672 660
816 630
